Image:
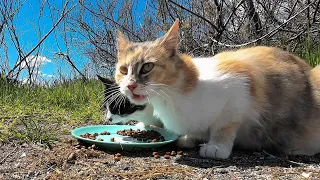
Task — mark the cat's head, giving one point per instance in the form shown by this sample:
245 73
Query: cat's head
118 107
144 70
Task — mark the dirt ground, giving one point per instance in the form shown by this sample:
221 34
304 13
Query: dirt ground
66 160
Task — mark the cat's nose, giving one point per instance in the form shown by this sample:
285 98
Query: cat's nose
132 86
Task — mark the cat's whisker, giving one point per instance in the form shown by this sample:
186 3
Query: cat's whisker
121 100
109 98
113 98
148 97
112 92
159 94
155 84
169 99
112 89
110 84
110 95
118 101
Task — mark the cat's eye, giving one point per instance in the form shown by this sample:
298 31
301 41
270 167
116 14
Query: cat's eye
123 70
147 67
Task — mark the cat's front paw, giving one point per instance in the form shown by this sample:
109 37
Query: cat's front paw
216 151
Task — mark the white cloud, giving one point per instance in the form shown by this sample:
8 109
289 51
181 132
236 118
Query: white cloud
47 75
35 61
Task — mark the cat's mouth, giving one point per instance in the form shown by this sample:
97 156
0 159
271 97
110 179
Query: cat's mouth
138 97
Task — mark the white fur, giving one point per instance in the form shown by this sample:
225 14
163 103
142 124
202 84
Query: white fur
217 100
214 94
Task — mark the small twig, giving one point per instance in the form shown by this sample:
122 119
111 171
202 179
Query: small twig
8 155
276 157
233 176
88 165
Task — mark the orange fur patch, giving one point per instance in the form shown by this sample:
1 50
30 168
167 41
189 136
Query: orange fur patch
231 64
191 73
256 64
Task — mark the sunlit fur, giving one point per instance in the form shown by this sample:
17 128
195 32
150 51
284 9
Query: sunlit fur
254 98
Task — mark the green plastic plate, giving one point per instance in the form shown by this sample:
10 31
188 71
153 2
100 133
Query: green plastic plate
121 142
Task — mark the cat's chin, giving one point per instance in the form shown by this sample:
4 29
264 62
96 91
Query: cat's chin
138 99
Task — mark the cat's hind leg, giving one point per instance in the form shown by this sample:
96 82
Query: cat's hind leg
221 142
307 144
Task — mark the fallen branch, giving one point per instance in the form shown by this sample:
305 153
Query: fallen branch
8 155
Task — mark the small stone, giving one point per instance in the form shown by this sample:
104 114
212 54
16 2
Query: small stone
173 153
72 157
78 146
222 170
94 146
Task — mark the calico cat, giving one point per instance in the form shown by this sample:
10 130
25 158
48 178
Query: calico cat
120 110
254 98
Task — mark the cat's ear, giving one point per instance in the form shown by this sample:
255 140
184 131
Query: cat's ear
105 81
122 43
170 40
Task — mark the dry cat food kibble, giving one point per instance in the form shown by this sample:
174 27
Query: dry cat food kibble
142 135
105 133
180 153
112 140
118 155
94 135
156 156
89 136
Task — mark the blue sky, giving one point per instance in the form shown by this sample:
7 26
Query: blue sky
28 26
26 22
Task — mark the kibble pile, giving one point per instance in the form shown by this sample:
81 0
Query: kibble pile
142 135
